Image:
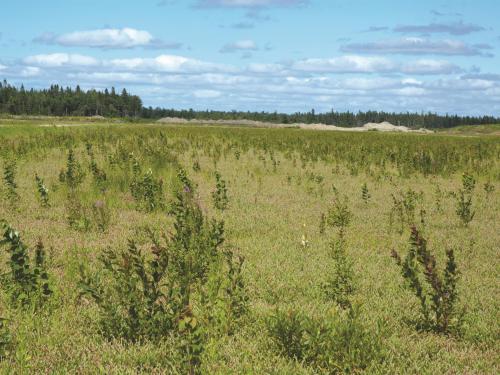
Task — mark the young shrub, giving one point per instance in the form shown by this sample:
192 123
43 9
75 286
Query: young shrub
27 284
43 191
98 174
340 285
147 190
365 194
78 216
337 344
5 339
339 216
404 208
437 292
73 175
219 196
463 198
488 188
322 224
151 295
9 178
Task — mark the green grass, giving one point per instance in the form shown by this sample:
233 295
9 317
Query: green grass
275 200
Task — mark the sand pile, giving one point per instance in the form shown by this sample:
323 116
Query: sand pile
371 126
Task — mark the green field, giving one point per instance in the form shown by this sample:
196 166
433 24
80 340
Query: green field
296 304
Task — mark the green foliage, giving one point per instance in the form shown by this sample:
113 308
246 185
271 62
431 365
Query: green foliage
102 215
488 188
338 215
219 196
404 207
27 284
43 191
464 197
149 296
322 223
78 216
9 178
340 285
73 175
5 340
332 344
147 190
365 194
437 293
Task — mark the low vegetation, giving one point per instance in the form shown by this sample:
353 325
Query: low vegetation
194 250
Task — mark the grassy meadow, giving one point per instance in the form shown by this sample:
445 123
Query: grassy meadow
134 277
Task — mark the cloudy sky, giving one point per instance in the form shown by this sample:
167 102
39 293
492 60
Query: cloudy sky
284 55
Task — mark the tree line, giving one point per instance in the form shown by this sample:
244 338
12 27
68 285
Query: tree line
60 101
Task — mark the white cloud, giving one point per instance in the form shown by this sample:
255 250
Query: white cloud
60 59
167 63
2 67
207 94
346 64
30 71
240 45
126 37
428 66
419 46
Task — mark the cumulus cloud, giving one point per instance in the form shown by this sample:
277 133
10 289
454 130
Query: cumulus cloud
373 64
419 46
346 64
60 60
248 3
456 28
207 94
107 38
241 45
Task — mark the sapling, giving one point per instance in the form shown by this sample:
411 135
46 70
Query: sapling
437 292
365 194
9 178
43 191
464 206
219 195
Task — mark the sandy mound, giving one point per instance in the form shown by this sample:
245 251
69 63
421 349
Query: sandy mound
371 126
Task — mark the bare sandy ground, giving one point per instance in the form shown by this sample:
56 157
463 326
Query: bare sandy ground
383 126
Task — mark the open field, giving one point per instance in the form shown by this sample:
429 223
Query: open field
291 193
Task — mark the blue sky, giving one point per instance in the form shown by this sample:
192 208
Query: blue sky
283 55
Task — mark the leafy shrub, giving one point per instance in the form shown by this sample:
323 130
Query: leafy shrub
339 216
27 284
148 296
219 196
147 190
464 199
9 178
365 194
404 207
73 175
5 339
437 293
340 285
43 191
332 344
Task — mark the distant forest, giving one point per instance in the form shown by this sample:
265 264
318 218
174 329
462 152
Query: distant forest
60 101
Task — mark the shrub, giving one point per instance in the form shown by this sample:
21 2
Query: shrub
219 196
73 175
27 284
43 191
437 293
147 190
339 216
340 285
365 194
9 178
464 199
404 208
148 296
332 344
5 339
